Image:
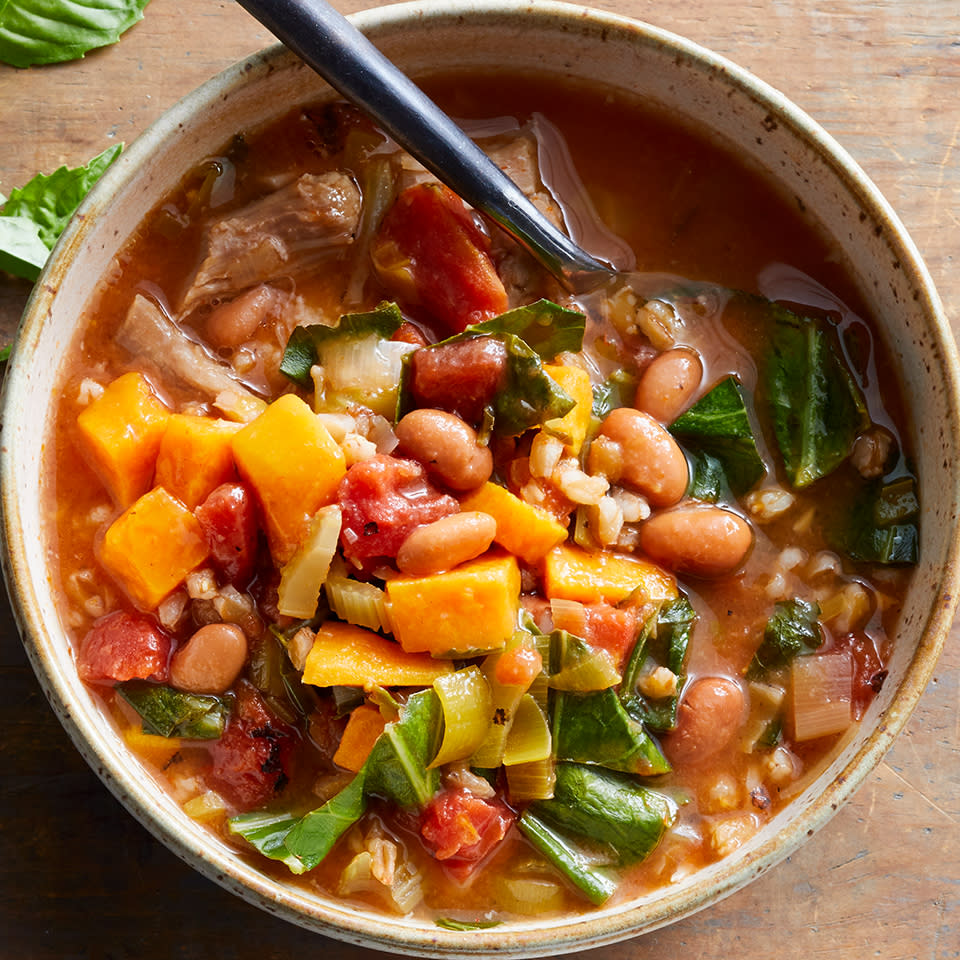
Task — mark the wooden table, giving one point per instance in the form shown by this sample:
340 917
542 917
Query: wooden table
79 878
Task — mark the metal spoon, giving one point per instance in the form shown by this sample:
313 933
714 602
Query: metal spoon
354 67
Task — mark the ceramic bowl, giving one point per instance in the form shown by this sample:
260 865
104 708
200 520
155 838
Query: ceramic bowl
672 73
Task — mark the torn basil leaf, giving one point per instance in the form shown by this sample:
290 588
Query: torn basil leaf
718 432
171 713
818 408
545 327
792 630
883 526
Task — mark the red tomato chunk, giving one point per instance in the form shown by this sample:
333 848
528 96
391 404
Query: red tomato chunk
383 500
228 518
124 646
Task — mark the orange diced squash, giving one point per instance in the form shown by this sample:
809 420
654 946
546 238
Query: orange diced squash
572 427
574 574
195 457
120 434
364 727
524 529
152 546
148 746
343 655
294 466
470 609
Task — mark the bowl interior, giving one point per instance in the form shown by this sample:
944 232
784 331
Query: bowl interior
675 75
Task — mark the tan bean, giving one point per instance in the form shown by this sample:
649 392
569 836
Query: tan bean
447 446
669 383
446 542
230 324
704 541
649 459
708 718
210 660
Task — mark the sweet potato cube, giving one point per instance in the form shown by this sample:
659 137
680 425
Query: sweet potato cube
347 656
472 608
195 457
572 427
152 546
120 434
364 727
524 529
294 466
574 574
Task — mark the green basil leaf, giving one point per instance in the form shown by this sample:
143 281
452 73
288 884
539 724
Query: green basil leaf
607 808
718 427
792 630
36 213
53 31
171 713
883 525
548 329
818 408
306 341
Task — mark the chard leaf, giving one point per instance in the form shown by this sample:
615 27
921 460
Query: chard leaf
267 833
708 479
36 213
451 923
616 391
171 713
792 630
312 837
53 31
397 766
607 808
595 882
718 427
306 342
818 409
883 525
548 329
594 728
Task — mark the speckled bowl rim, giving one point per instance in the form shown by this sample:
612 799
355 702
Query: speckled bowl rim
44 645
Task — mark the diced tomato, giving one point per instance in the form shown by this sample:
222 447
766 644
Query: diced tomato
431 253
228 518
518 666
251 760
460 829
124 646
383 500
868 671
611 628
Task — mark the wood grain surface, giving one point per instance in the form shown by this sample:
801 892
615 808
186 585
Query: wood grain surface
79 878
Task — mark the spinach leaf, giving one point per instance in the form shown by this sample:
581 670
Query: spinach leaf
53 31
607 808
663 642
306 341
791 631
616 391
883 524
545 327
35 214
818 409
594 728
595 882
717 430
267 832
170 713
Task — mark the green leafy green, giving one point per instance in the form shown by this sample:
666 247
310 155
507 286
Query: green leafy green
312 837
594 881
5 353
883 524
451 923
616 391
306 342
171 713
717 429
607 808
53 31
267 832
818 408
545 327
35 214
791 631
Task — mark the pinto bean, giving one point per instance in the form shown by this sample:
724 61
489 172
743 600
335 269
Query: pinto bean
210 660
707 720
668 384
229 324
447 542
704 541
447 447
461 377
641 454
